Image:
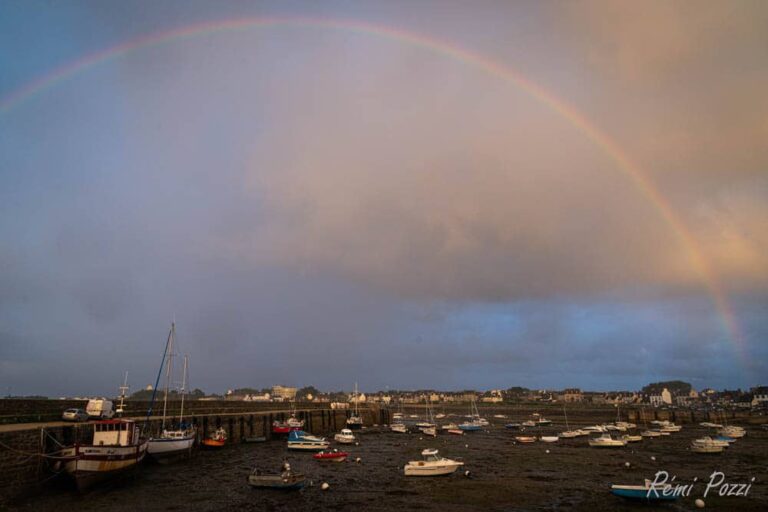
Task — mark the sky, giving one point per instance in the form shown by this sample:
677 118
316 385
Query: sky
442 195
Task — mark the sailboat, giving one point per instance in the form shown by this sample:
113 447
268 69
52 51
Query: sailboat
568 434
475 421
355 422
179 441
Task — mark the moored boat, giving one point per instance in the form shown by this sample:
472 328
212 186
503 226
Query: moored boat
286 480
606 441
331 456
631 438
400 428
650 433
431 465
733 431
345 437
708 446
300 440
525 439
115 447
647 492
216 440
549 439
455 431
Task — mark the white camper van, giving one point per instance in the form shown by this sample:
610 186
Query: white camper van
100 408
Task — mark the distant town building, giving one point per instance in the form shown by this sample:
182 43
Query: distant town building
283 393
665 398
572 395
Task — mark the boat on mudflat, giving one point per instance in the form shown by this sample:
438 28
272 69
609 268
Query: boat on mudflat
116 446
431 465
331 456
286 480
646 492
300 440
525 439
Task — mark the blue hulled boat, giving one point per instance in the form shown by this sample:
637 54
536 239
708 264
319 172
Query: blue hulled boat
644 492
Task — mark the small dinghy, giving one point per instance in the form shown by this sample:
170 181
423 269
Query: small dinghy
331 456
645 492
400 428
606 441
216 440
429 431
512 426
455 431
286 480
651 433
630 438
707 446
525 439
470 426
549 439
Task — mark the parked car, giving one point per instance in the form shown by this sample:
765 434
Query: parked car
74 415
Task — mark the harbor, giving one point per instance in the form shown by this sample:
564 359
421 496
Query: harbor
497 472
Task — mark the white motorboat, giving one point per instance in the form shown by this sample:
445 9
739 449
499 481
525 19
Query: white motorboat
708 446
671 428
606 441
429 431
431 465
631 438
116 446
300 440
528 423
400 428
714 442
345 437
595 428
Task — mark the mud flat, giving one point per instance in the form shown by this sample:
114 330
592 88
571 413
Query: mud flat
503 476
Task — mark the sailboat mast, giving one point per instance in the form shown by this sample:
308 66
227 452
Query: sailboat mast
183 391
168 371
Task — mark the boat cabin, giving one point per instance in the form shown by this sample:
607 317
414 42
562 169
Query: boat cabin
114 433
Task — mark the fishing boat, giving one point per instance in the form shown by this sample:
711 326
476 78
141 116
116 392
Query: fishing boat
647 492
116 446
216 440
355 421
606 441
400 428
300 440
431 465
171 442
286 480
331 456
632 438
525 439
345 437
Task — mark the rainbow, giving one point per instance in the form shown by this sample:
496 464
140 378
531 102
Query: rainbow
609 147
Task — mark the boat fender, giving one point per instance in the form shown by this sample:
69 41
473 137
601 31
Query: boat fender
653 457
466 473
546 451
325 486
699 503
358 460
627 464
466 446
